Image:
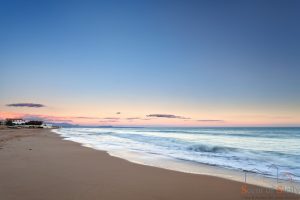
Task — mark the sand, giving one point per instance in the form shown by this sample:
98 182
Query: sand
36 164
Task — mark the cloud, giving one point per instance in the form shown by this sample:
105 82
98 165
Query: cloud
167 116
118 113
111 118
31 105
137 118
210 120
133 118
82 117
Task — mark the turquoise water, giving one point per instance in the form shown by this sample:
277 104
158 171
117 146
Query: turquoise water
260 150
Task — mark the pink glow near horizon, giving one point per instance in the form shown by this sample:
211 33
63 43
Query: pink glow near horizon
137 121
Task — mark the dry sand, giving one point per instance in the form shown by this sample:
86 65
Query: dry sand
36 164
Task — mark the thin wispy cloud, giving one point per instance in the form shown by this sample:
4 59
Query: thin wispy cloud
137 118
210 120
167 116
111 118
83 117
133 118
30 105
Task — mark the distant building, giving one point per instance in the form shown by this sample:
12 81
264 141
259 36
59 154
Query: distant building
16 121
34 123
46 126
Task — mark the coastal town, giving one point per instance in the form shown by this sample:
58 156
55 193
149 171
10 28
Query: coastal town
22 123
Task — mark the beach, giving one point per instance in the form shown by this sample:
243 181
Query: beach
38 164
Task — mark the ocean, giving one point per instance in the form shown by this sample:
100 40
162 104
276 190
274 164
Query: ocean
270 152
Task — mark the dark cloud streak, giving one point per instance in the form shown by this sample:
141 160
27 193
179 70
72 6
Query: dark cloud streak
30 105
167 116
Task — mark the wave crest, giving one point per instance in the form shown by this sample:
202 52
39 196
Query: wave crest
211 149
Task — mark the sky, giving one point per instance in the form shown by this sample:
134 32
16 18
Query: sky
151 63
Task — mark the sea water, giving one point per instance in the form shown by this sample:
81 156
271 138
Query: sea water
270 152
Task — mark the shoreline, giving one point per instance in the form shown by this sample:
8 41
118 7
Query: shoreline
155 160
40 164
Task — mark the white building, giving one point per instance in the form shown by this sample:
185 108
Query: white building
46 125
17 121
